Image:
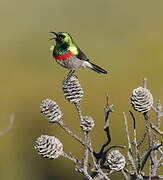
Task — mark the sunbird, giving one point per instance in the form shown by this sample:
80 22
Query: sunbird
68 54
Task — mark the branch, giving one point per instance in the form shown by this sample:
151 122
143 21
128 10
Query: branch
127 132
114 146
124 174
78 108
86 153
135 140
158 112
143 138
129 153
70 157
153 177
101 155
156 129
147 154
68 131
107 109
145 82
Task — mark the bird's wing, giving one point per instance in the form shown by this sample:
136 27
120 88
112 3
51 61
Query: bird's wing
78 53
81 55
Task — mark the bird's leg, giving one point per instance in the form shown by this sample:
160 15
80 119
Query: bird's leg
72 71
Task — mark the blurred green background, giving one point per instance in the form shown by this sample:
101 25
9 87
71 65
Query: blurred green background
125 37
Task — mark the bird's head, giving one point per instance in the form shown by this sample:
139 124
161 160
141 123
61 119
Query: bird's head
62 38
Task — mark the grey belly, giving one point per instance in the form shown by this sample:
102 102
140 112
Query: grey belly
71 63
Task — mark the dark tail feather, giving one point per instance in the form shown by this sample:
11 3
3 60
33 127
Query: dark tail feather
97 68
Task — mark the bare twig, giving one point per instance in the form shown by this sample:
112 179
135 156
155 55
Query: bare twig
68 131
78 108
86 175
70 157
158 112
150 142
92 155
153 177
124 174
147 154
145 82
114 146
143 138
86 153
129 153
107 109
101 155
156 129
127 132
97 171
86 145
135 141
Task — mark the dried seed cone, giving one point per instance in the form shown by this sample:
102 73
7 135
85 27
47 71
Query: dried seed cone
116 160
141 100
51 109
72 89
48 146
87 123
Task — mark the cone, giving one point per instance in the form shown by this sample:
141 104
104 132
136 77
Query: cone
48 146
51 110
116 160
87 123
72 89
141 100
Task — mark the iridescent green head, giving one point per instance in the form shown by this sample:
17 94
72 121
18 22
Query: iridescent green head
62 38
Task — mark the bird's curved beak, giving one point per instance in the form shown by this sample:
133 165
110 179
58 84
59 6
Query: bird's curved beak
53 37
54 33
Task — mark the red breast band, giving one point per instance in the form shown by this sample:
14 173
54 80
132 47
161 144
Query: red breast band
64 56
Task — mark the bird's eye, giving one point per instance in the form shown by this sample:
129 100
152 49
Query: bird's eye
61 36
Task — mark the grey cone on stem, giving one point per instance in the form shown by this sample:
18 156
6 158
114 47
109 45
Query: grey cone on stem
51 110
72 89
87 123
116 160
48 147
141 100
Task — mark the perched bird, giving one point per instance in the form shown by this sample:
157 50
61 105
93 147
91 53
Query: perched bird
68 54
